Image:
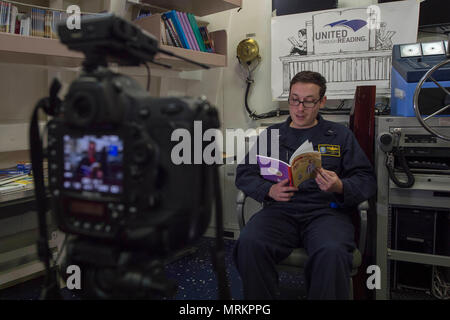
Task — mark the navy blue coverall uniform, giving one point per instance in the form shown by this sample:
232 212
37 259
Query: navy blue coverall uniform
314 219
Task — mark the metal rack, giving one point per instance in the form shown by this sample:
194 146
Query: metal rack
430 191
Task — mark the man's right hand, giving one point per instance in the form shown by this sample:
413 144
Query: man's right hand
282 191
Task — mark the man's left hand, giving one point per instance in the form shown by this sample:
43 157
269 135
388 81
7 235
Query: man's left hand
328 181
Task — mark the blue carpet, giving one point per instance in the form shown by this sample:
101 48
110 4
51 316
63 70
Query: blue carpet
193 273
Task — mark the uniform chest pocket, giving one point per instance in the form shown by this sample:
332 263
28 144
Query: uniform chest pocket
331 163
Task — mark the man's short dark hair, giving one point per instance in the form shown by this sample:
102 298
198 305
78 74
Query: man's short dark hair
310 77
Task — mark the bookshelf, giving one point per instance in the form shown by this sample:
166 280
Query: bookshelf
219 59
50 52
16 48
197 7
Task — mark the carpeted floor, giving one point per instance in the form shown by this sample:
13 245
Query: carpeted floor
193 273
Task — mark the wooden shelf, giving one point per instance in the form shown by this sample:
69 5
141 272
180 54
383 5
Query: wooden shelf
212 60
219 59
16 48
197 7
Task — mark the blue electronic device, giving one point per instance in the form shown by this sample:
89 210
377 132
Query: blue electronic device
409 63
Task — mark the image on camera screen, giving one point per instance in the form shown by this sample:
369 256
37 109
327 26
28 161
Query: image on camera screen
93 163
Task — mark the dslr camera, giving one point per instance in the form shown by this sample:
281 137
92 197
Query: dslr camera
114 189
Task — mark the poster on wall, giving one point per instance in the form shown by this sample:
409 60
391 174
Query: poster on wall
348 46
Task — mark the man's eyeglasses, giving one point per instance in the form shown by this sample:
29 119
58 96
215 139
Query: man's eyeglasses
307 104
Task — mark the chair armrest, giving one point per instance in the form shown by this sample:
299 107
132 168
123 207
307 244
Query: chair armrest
362 209
363 205
240 203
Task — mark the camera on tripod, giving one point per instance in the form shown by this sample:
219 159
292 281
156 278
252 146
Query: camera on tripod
114 188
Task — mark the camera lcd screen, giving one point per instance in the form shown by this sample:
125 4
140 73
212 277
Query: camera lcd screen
87 208
93 163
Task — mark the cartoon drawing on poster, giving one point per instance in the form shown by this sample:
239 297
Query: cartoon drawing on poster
349 47
299 45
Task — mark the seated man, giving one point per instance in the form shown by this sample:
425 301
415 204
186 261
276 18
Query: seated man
314 216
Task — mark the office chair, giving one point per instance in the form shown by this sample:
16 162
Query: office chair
297 259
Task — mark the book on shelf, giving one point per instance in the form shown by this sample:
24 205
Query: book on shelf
172 15
188 31
31 21
26 183
180 29
5 16
207 40
196 31
171 30
168 38
13 19
162 31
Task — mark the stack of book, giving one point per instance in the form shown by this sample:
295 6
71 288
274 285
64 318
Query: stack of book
180 29
30 21
11 183
17 182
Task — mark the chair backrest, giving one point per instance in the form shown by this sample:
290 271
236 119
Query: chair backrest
362 119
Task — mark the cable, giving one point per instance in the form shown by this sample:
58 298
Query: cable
404 165
51 286
148 76
440 287
250 81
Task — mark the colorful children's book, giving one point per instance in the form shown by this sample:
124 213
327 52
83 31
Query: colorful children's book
300 168
189 31
197 34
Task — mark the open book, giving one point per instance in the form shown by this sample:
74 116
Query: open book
301 165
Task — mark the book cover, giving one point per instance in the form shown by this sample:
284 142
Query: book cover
169 39
42 16
17 30
33 22
185 30
300 168
48 28
54 24
14 12
8 17
273 169
18 185
197 34
1 16
206 39
162 31
177 38
173 17
27 26
189 30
